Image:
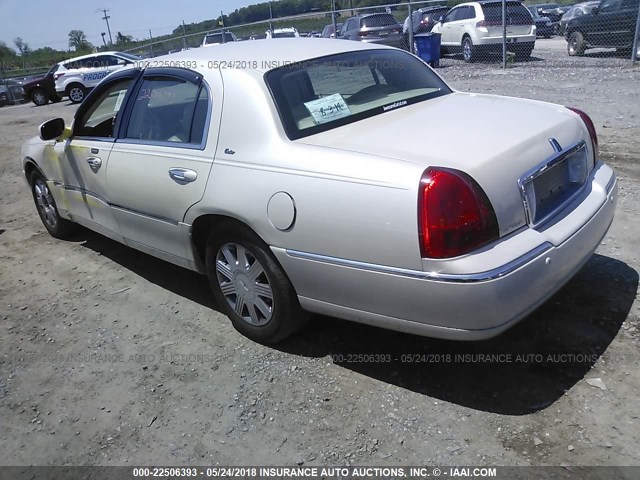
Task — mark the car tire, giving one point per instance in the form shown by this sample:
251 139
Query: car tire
251 287
57 226
39 97
576 44
76 92
56 99
468 50
523 54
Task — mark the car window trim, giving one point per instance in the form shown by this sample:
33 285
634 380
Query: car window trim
175 73
135 75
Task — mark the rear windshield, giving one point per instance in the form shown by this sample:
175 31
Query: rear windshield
326 93
435 14
284 34
217 38
380 20
517 14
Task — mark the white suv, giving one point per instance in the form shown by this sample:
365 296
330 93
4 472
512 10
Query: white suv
76 76
476 27
286 32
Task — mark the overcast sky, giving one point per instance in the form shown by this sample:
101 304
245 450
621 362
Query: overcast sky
42 24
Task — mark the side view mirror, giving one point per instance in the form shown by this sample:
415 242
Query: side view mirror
441 19
52 129
122 61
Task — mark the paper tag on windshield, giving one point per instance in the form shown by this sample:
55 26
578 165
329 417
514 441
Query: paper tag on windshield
327 109
119 100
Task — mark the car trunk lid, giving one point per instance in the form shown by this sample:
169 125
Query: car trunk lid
496 140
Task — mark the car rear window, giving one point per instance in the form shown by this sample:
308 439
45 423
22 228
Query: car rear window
380 20
217 38
517 14
284 34
328 92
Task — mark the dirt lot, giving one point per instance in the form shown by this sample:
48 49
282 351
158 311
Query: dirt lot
111 357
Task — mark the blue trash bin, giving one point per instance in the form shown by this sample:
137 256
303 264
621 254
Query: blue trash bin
428 46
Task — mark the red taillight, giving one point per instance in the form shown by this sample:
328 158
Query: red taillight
454 214
489 23
590 128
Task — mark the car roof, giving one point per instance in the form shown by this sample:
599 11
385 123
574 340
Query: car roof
89 55
268 55
434 7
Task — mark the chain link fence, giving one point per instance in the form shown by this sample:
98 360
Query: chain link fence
488 32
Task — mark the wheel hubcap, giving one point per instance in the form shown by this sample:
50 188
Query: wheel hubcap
244 284
45 203
467 50
76 94
39 97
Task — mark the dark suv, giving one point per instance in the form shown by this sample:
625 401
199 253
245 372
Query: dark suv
423 20
380 28
611 24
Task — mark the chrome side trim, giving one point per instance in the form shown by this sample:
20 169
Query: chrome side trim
83 191
144 214
434 276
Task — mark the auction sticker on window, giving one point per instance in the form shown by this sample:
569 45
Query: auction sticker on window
327 109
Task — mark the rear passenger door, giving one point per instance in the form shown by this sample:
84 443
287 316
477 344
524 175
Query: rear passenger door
160 163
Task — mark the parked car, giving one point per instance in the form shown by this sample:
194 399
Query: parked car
378 28
42 90
329 32
11 92
611 24
310 207
576 11
544 26
77 76
286 32
475 29
218 38
553 12
423 20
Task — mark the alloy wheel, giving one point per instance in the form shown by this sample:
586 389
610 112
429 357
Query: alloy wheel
45 203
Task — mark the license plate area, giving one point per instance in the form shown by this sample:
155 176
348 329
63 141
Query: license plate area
550 187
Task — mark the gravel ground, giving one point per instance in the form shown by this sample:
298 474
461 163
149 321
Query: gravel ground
158 376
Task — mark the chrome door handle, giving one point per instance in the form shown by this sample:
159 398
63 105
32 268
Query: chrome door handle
182 175
94 162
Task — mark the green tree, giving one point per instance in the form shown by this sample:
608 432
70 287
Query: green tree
22 47
78 40
122 39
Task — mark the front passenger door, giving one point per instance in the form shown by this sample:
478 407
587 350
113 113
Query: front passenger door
83 158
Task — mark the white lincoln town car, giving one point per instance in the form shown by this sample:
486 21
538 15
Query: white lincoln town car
310 175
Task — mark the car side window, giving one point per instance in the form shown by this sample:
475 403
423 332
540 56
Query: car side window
98 120
610 5
628 4
452 16
169 109
470 12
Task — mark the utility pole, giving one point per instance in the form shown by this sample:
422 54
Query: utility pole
184 33
270 19
333 19
106 19
151 43
224 40
103 40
